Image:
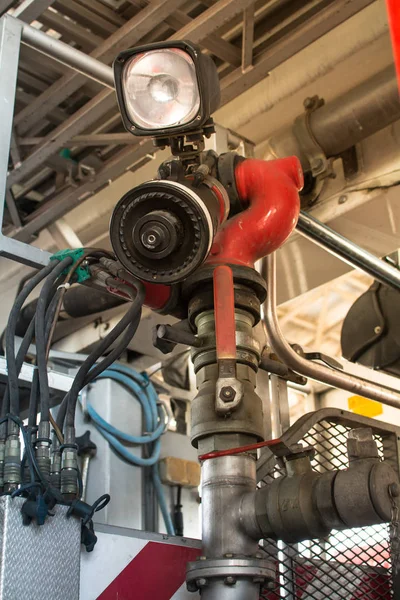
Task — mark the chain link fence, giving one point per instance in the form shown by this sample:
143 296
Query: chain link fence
349 564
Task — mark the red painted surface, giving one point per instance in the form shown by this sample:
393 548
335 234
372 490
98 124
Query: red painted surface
393 9
156 573
157 295
270 189
224 308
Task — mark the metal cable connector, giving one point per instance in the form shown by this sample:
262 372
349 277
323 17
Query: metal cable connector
55 469
43 449
12 463
69 465
2 456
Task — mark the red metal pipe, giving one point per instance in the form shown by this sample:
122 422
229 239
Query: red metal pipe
270 191
224 307
393 10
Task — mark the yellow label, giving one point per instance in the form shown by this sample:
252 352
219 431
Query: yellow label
364 406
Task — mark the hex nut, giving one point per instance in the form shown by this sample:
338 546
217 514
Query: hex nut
227 394
201 582
230 580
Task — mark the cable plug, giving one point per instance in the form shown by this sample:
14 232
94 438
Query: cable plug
88 536
35 509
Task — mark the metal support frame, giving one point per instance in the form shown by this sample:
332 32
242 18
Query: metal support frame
29 10
151 18
346 250
10 39
364 386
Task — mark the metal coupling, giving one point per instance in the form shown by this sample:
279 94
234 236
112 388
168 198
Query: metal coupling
214 577
12 463
69 465
2 456
55 469
43 449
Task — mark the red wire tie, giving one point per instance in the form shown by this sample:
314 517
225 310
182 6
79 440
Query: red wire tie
240 450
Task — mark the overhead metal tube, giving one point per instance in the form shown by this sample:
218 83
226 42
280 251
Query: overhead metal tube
346 250
308 368
366 109
342 123
67 55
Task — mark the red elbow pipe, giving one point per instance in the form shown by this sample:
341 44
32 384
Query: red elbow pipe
270 190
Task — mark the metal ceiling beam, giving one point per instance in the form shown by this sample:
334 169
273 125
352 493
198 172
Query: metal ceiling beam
248 38
210 20
224 50
5 5
307 32
30 10
70 31
100 139
204 24
83 118
61 204
78 12
127 35
233 84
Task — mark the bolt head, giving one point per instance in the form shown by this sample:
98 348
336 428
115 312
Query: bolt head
271 585
230 580
201 582
394 490
191 586
228 555
227 393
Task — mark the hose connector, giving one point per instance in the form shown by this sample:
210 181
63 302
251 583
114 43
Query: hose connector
43 449
69 465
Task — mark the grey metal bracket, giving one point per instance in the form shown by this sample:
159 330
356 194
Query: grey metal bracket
321 166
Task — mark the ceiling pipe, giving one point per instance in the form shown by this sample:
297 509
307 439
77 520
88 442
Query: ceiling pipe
346 121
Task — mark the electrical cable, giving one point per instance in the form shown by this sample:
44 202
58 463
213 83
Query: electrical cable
34 392
40 336
79 380
98 368
10 334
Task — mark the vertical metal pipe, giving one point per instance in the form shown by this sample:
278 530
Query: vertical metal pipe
10 39
346 250
225 480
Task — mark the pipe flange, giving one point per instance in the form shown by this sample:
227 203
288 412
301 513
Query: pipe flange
200 572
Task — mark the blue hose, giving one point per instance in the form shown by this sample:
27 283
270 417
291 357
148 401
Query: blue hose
143 390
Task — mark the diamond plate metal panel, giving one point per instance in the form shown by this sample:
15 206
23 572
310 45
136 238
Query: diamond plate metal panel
38 561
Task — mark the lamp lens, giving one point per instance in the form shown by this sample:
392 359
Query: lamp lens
160 88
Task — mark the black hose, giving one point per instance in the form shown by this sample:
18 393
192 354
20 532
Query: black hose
34 393
104 364
40 336
79 381
10 335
